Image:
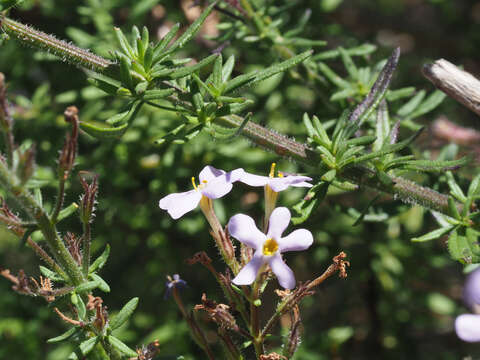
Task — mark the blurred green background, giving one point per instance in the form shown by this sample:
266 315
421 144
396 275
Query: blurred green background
400 299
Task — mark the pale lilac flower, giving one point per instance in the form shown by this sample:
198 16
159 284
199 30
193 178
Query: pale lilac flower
268 247
277 184
214 184
467 326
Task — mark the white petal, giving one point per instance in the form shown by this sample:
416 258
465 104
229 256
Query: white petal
217 188
284 274
467 327
281 183
278 222
297 240
243 228
302 184
209 173
248 274
179 204
254 180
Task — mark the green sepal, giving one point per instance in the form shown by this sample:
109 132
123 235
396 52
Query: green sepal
124 314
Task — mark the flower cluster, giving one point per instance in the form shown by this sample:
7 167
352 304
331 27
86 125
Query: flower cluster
214 184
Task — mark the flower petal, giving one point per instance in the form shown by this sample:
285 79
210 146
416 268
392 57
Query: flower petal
254 180
209 173
297 240
284 274
242 227
302 184
471 290
278 222
221 185
217 188
467 327
248 274
281 183
179 204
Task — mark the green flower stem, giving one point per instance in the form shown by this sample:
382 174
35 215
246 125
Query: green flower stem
49 231
401 188
257 339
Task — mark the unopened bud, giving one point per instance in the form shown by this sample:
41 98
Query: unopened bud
68 154
26 164
88 199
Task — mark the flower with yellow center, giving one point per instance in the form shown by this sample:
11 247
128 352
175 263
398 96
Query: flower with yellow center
214 184
268 247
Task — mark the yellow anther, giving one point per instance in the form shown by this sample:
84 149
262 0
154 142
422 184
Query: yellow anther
272 170
193 182
280 174
270 247
204 181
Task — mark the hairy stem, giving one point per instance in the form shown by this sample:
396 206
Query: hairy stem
48 229
400 188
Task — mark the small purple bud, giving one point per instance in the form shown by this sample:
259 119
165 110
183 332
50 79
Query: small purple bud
174 282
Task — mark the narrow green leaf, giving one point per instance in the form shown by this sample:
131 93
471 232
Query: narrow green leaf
79 305
228 68
123 42
361 50
217 71
157 94
435 234
101 260
103 132
102 285
125 74
120 346
388 149
454 188
192 29
343 94
430 103
348 63
63 336
162 44
88 345
281 67
307 206
332 76
87 286
124 314
452 208
412 104
187 70
66 212
52 275
393 95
